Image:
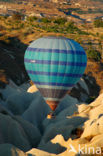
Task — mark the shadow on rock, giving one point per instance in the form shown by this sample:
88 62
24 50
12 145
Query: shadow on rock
12 59
67 127
53 148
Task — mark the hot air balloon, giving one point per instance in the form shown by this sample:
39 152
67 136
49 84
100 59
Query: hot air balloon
55 65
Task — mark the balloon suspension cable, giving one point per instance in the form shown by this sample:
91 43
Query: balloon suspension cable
51 115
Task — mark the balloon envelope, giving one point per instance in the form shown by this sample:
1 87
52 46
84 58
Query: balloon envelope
55 64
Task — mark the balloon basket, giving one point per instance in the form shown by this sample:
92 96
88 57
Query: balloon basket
51 115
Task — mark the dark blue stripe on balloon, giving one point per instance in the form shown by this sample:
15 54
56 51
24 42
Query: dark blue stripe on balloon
55 51
55 62
54 74
54 84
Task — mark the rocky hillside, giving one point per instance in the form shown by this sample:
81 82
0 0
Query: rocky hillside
25 129
11 60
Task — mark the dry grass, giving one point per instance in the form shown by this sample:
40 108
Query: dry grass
32 30
95 69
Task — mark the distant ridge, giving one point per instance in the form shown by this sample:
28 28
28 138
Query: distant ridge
7 1
57 1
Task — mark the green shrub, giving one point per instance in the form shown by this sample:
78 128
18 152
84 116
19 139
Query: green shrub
101 36
83 32
98 23
21 25
93 54
32 18
60 21
90 43
71 28
100 44
45 20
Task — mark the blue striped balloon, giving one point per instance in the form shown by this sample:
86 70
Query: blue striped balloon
55 64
